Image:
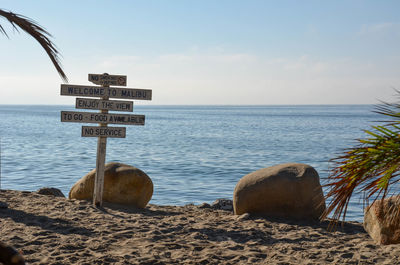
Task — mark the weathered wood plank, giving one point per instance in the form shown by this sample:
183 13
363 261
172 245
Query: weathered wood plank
90 117
99 104
106 79
111 92
109 132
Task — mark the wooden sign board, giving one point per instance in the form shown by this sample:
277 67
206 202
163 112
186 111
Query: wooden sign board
110 80
111 92
90 117
111 132
99 104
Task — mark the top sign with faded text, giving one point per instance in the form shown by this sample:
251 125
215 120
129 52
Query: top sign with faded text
105 79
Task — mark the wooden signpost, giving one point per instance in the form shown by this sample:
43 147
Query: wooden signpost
102 132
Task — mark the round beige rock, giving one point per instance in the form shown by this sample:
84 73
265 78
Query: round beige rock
123 184
289 190
382 220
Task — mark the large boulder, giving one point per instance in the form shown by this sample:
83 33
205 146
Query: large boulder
123 184
289 190
382 220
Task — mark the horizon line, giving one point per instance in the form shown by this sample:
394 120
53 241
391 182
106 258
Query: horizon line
227 105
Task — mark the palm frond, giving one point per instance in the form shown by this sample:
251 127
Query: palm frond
391 110
38 33
370 168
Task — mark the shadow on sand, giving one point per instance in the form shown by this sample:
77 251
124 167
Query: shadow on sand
57 225
115 208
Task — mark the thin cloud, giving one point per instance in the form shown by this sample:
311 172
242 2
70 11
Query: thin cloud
203 77
379 28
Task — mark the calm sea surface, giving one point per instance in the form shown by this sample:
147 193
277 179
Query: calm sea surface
193 154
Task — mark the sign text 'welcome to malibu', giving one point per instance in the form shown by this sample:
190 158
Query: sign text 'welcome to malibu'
111 92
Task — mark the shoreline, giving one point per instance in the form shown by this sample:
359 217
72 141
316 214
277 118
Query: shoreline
55 230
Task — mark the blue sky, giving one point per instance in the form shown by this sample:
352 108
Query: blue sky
210 52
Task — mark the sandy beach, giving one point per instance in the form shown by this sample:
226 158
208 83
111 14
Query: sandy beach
55 230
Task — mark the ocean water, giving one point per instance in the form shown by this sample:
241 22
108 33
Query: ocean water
193 154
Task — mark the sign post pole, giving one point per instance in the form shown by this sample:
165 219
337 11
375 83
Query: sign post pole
100 163
99 177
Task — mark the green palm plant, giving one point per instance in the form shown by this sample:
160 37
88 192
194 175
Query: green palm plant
38 33
372 168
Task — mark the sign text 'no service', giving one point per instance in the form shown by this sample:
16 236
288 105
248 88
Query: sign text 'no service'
112 132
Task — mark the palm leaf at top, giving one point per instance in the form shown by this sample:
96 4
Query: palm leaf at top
38 33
